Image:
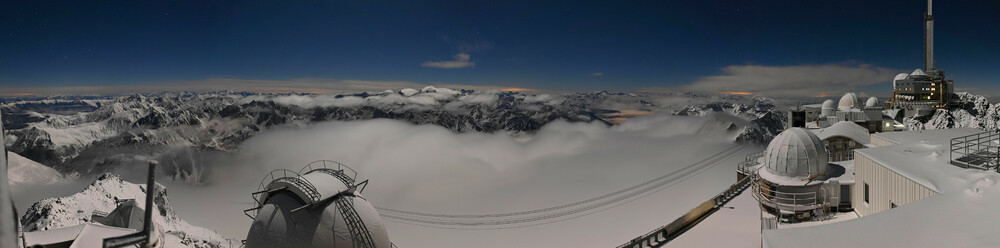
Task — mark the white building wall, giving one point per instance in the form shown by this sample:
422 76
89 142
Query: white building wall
885 187
879 141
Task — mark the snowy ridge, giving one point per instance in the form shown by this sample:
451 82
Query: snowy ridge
102 195
186 131
765 120
976 112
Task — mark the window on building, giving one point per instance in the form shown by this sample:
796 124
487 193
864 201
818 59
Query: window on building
866 193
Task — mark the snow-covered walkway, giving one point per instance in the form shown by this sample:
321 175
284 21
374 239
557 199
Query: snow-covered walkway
737 224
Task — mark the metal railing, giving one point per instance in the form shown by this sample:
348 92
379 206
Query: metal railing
325 165
746 166
786 201
281 175
980 151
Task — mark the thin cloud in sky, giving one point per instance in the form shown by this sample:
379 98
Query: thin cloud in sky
597 74
796 80
304 85
461 61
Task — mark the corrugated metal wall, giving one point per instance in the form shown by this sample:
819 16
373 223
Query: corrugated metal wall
879 141
885 187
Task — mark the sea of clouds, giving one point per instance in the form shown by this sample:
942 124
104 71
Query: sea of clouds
431 169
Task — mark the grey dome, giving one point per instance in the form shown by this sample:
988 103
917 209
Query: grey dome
327 212
796 153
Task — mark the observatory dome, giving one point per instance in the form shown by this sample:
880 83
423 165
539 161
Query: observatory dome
318 207
796 153
828 107
872 102
828 104
848 101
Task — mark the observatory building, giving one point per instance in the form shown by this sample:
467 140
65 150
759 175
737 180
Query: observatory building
869 115
795 180
319 206
922 91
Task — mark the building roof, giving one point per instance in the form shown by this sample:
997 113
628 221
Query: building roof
918 72
925 163
923 157
930 135
87 235
796 152
847 129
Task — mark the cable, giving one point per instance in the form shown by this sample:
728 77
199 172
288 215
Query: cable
431 222
730 149
540 218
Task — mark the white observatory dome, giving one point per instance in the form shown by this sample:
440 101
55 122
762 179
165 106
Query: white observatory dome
872 102
319 207
828 107
848 101
796 153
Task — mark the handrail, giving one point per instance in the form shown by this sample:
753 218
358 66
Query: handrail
750 161
329 164
789 201
978 150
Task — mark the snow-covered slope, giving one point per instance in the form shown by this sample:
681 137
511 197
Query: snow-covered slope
21 170
102 195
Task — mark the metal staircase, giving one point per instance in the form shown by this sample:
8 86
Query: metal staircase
359 232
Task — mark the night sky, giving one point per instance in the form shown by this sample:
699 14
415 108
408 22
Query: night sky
569 46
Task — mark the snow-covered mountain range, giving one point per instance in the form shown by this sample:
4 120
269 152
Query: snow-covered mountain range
184 130
103 195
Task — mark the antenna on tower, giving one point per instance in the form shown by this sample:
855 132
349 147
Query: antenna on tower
929 39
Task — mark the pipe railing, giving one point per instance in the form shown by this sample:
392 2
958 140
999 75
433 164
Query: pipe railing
747 164
789 201
980 151
329 164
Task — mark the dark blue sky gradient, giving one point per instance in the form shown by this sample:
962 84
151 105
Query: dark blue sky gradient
519 43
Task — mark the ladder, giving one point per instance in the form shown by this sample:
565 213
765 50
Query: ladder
359 232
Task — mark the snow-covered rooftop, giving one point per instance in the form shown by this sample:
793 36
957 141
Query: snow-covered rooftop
925 162
846 129
87 235
964 217
930 135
